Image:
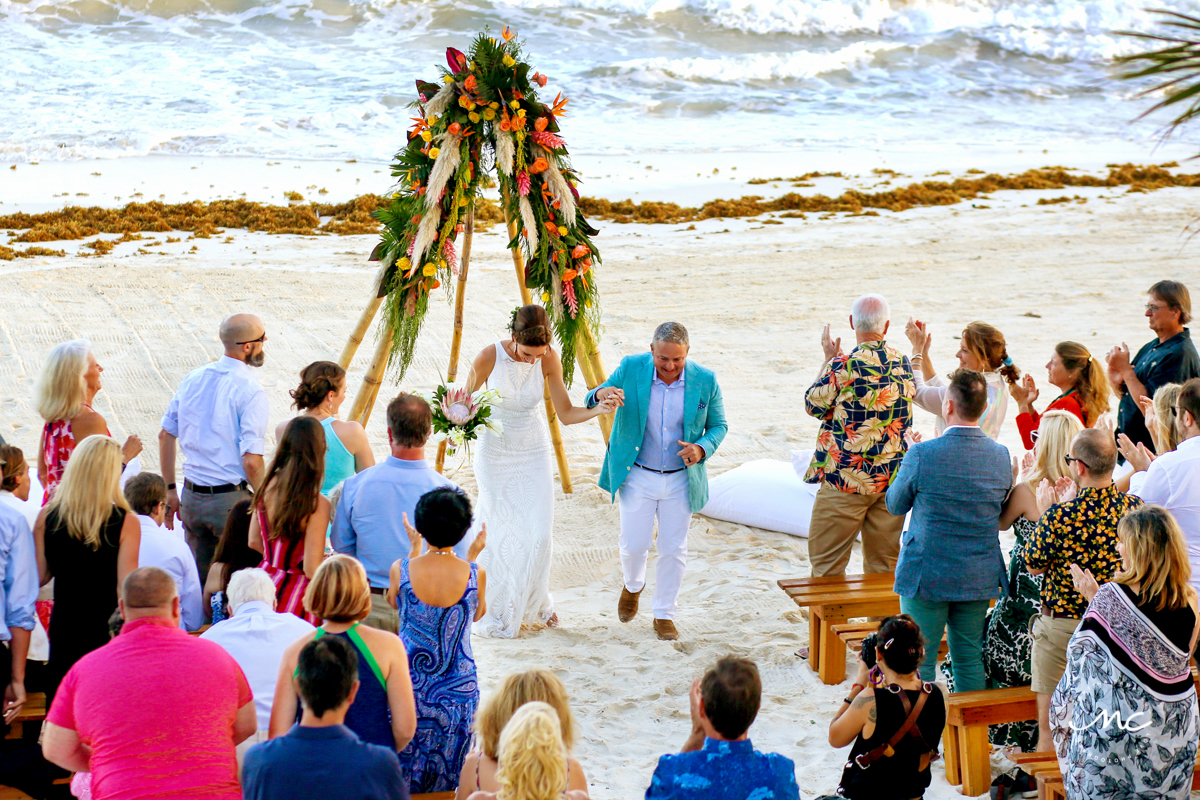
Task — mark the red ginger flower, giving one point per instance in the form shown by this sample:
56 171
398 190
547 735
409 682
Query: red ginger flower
449 254
547 140
523 183
569 296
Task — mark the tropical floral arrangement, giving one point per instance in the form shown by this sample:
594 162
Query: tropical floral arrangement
485 111
458 415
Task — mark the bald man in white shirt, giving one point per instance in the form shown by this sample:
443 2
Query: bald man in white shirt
218 418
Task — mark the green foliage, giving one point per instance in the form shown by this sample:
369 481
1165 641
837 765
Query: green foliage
1176 65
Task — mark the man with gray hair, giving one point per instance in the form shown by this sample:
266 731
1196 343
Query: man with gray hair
218 418
864 403
256 636
671 419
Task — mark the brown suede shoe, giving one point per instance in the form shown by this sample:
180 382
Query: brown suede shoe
665 629
627 606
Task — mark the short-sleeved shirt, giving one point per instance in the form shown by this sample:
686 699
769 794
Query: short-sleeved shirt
724 771
218 415
1080 531
157 707
321 764
864 401
1156 364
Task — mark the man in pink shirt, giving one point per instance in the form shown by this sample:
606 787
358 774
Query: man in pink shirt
155 712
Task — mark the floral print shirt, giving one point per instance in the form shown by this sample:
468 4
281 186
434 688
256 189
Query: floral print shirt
724 771
1081 531
864 401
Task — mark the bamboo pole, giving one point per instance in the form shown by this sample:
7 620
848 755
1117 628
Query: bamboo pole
364 322
364 401
460 295
593 372
564 471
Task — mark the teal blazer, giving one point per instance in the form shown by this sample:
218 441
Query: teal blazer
703 422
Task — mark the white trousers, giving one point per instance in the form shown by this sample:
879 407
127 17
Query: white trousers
644 497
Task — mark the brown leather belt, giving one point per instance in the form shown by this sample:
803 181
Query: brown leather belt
1046 612
377 590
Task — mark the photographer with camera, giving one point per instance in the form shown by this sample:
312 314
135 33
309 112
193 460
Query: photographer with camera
893 718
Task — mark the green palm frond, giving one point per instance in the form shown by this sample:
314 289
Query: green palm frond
1176 64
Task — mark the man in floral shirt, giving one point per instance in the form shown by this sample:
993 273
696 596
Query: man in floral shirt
1081 530
864 402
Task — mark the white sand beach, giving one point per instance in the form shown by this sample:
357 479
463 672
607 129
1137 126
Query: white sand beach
754 297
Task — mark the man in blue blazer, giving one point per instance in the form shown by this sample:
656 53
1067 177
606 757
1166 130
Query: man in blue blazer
670 421
950 564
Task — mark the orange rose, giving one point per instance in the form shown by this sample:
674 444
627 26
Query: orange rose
541 123
454 129
580 251
550 226
470 84
541 165
569 275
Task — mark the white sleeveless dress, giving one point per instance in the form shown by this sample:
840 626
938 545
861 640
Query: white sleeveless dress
515 476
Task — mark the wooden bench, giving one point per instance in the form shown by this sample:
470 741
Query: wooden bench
965 741
853 634
433 796
34 710
833 600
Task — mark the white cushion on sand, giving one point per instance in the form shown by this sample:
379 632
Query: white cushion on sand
765 494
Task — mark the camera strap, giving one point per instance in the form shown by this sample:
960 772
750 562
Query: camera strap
888 749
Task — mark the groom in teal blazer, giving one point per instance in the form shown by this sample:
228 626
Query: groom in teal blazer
670 421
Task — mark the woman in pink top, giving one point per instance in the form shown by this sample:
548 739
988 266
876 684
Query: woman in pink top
291 515
69 382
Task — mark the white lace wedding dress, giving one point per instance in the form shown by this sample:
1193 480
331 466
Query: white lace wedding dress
516 501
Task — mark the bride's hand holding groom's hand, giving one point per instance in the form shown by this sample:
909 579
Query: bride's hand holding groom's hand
610 397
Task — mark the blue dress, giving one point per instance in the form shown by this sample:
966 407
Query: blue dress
438 641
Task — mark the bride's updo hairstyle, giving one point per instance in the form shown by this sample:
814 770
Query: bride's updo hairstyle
317 380
530 326
901 643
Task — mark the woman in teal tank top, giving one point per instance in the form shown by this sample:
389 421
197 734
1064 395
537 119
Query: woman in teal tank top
320 394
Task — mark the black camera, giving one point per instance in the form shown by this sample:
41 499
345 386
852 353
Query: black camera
868 649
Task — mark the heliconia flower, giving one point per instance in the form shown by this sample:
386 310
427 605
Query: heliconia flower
523 183
456 59
569 297
580 251
547 140
458 406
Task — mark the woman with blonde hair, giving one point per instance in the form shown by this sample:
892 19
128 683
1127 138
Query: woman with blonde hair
533 759
68 384
1082 385
383 712
1127 681
518 689
87 539
1160 414
982 349
1007 645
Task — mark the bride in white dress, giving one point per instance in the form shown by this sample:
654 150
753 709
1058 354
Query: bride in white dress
515 474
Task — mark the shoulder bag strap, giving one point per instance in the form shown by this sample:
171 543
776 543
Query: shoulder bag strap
889 748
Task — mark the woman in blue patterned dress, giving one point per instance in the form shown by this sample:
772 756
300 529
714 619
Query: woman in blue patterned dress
438 596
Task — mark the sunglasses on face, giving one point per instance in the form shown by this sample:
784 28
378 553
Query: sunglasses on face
262 338
1069 459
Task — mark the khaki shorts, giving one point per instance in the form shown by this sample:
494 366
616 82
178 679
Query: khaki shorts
382 617
1049 656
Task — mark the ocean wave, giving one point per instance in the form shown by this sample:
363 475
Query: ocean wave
760 66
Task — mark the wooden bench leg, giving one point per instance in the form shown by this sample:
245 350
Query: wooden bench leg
814 639
976 765
832 665
951 756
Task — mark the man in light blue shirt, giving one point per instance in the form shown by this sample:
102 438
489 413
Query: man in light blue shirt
369 523
18 591
257 636
146 494
218 418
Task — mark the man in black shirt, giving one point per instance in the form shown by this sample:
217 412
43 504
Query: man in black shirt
1170 359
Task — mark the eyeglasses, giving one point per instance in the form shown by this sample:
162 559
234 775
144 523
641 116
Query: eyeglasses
1069 459
1152 308
262 338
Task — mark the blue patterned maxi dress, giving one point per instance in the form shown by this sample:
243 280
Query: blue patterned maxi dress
438 641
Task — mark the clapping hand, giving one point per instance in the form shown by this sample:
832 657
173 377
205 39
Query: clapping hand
477 546
1029 461
131 449
1118 364
1060 491
414 538
918 335
1025 392
1085 582
831 346
694 701
1066 489
912 437
1138 455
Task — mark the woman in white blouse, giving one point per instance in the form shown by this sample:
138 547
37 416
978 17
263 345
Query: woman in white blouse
14 492
982 349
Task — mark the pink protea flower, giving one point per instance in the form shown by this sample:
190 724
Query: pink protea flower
569 296
548 140
458 406
523 183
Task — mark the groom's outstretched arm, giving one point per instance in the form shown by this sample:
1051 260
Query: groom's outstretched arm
615 381
715 426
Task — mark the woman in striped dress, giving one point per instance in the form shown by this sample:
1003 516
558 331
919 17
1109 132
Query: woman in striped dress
291 516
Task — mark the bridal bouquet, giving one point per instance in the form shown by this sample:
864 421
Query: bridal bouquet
458 414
